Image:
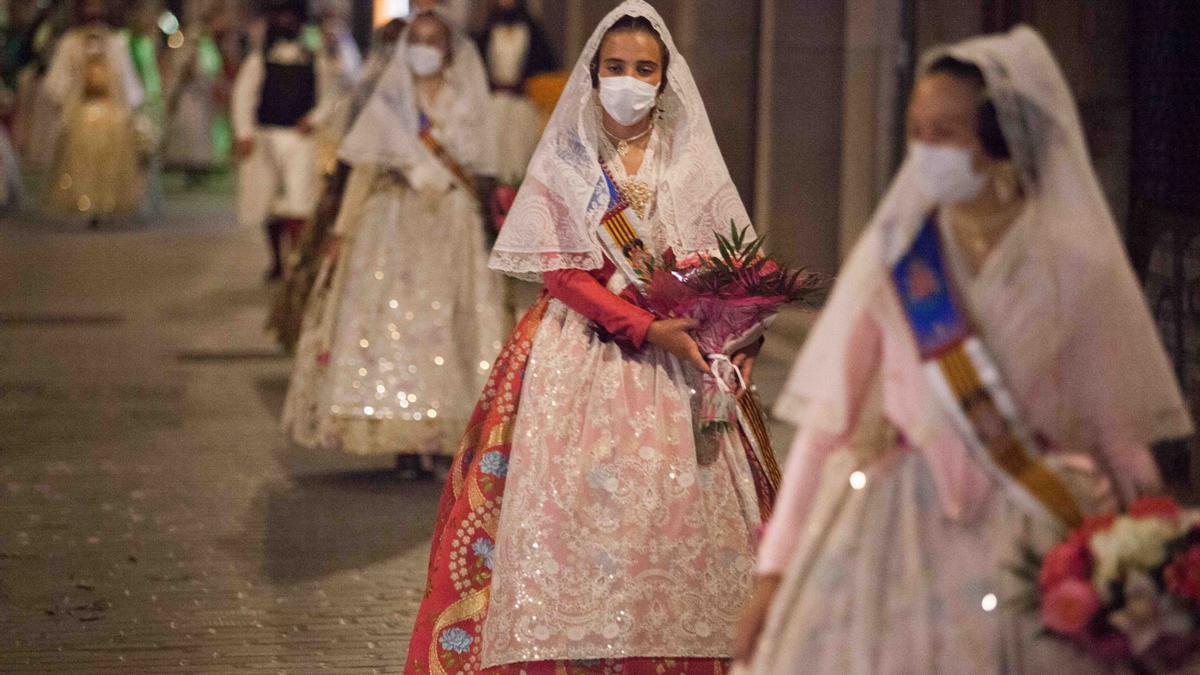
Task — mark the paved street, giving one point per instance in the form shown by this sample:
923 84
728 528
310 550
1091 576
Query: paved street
152 519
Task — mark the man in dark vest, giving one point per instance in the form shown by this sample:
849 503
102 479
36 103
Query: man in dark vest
275 106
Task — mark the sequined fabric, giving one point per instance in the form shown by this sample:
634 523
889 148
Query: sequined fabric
447 636
396 349
620 535
883 582
97 169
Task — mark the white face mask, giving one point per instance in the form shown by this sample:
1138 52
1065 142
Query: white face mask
944 173
626 99
425 60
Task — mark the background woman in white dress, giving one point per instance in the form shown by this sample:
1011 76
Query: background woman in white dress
889 547
195 75
98 170
396 346
515 48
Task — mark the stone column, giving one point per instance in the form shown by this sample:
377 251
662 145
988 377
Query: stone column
800 117
875 58
720 44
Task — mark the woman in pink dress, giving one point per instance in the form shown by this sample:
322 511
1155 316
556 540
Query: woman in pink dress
994 257
584 526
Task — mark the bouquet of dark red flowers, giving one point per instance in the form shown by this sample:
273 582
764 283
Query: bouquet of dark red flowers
734 296
1125 588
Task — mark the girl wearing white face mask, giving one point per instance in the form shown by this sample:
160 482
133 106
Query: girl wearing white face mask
988 318
582 520
405 317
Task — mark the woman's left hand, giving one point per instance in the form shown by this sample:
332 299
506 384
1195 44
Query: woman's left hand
744 360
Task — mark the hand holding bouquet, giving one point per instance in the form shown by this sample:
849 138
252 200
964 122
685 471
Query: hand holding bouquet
733 297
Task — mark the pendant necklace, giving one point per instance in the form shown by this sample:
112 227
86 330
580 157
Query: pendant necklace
622 144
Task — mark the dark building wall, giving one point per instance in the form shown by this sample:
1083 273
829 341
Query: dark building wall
1091 40
802 141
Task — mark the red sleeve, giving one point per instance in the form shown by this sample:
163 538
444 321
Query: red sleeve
583 293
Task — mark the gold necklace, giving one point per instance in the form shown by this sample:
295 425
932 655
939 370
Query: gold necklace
979 234
638 194
622 144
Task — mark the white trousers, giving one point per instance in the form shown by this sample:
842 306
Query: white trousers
279 178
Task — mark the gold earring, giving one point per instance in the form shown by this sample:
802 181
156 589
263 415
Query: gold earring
1007 186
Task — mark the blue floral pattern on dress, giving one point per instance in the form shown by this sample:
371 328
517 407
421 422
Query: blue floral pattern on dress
456 640
486 549
495 464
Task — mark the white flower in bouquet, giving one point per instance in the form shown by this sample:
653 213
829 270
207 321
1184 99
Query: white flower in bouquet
1188 519
1130 544
1148 615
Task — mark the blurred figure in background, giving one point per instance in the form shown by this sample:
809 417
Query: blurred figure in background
343 63
989 321
276 105
457 12
12 187
287 310
145 38
405 319
36 120
515 49
194 78
97 170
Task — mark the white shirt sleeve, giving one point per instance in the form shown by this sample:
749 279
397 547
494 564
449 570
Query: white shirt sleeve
350 62
329 89
59 75
247 88
122 65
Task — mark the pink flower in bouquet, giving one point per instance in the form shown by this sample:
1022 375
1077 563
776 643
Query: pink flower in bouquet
1183 574
1068 560
687 262
1155 507
1070 606
733 297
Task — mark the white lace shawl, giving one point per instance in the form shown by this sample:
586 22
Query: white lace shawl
387 130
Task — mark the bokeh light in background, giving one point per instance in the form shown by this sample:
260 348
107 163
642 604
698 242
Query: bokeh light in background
386 10
168 23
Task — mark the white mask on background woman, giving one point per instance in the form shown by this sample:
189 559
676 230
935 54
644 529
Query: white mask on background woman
425 60
626 99
945 173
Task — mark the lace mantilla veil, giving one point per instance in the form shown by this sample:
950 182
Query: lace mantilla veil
386 132
563 196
